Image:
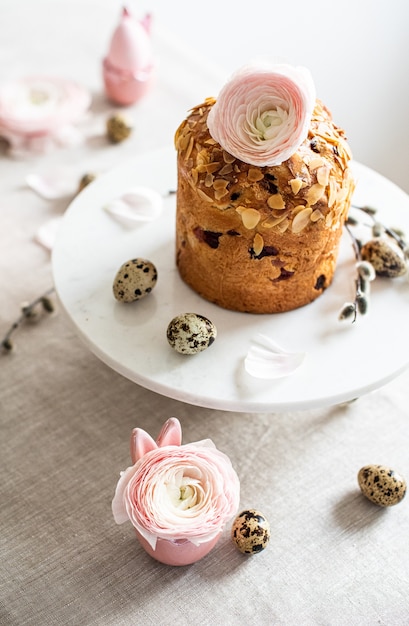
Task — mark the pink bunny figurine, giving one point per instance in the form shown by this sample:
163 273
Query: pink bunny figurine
128 67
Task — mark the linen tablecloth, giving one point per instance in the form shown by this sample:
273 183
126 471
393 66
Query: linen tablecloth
333 559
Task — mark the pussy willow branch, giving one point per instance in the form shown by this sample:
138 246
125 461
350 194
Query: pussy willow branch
360 303
27 311
389 231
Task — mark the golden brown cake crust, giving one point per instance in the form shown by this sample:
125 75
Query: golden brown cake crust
260 239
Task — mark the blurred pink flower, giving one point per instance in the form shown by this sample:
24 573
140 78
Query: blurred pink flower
38 104
39 112
176 496
262 115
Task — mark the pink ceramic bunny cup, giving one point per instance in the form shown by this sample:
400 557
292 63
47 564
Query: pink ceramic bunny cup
178 497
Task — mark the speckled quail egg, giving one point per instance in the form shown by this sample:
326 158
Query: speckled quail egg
134 280
381 485
250 532
190 333
387 259
119 127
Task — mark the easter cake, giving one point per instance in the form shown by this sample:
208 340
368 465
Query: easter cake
264 188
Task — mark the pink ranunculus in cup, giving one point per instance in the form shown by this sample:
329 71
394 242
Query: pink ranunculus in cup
178 497
262 115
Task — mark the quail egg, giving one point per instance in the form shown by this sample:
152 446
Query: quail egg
381 485
119 127
387 259
134 280
250 532
190 333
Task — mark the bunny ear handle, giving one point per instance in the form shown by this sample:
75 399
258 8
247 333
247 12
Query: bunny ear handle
170 434
141 443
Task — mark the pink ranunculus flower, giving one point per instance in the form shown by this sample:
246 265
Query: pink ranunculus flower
38 113
178 497
262 115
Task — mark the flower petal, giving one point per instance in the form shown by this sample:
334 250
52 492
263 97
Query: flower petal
118 503
135 206
267 360
51 186
47 233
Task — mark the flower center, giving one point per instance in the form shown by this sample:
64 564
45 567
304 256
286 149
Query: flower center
38 96
187 494
183 491
268 123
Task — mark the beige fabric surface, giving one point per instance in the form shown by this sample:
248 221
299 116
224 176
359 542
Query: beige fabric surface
334 558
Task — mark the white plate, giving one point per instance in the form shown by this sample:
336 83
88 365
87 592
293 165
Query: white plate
343 360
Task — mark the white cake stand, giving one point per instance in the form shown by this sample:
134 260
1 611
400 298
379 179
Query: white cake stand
343 360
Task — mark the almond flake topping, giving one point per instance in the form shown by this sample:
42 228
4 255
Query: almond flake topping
276 201
314 193
323 175
208 181
250 218
220 193
228 158
297 209
209 167
342 194
325 132
345 148
189 148
273 221
282 226
332 196
316 162
254 175
301 220
296 184
316 215
226 169
258 244
220 183
202 158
